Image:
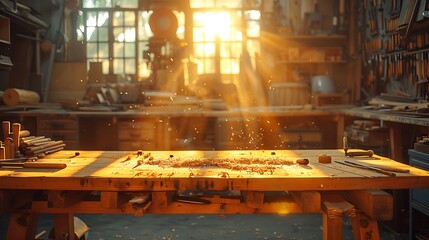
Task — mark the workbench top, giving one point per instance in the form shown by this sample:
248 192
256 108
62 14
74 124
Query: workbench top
210 170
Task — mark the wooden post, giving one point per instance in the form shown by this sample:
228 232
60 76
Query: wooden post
364 227
22 226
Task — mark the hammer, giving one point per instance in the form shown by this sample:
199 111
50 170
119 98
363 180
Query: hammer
367 153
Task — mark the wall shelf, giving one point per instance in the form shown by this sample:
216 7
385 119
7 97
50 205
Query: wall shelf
4 30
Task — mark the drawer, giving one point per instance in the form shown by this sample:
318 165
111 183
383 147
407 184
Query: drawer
56 123
301 136
57 135
134 146
136 131
419 160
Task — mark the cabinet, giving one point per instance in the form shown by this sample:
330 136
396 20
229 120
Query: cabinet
145 134
419 200
60 128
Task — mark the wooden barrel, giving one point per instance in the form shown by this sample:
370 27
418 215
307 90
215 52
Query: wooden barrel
15 96
237 133
289 94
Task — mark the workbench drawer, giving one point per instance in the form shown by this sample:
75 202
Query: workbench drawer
301 135
134 146
57 123
136 131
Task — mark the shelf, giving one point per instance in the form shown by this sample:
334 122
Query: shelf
311 62
4 30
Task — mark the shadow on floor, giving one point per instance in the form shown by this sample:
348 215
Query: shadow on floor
201 227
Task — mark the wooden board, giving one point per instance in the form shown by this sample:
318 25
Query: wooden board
98 170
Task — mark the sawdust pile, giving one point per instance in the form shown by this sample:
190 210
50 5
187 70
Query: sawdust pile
247 164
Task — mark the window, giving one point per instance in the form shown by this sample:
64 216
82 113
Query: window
221 30
108 28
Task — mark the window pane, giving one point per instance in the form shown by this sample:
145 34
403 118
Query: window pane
118 66
235 49
91 50
253 29
118 34
105 65
97 3
129 18
199 50
118 50
91 34
103 34
210 66
103 50
126 3
225 50
130 49
228 3
202 3
118 18
225 66
103 19
198 35
130 66
252 15
209 49
143 26
91 19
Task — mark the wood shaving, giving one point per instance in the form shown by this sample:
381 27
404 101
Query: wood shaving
241 164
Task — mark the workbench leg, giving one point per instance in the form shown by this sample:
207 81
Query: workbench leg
22 226
332 227
364 227
64 226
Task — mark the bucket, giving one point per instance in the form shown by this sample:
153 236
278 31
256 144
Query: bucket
289 94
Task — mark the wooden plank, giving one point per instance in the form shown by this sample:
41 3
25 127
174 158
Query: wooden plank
22 226
377 204
334 209
65 198
64 226
109 199
308 201
253 199
365 227
161 200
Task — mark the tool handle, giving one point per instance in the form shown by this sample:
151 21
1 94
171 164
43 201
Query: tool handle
368 153
393 169
44 165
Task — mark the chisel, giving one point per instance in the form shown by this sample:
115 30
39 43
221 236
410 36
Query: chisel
350 164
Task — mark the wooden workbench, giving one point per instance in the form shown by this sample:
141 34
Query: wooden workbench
248 182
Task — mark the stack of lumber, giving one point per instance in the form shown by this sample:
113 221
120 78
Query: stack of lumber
40 146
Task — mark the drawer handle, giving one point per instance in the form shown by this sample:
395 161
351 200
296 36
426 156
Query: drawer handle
134 134
57 125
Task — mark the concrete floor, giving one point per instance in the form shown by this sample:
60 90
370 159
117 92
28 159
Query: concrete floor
202 227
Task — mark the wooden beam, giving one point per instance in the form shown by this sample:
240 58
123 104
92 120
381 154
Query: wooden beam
365 227
308 201
109 199
64 226
22 226
65 198
376 204
161 200
253 199
334 209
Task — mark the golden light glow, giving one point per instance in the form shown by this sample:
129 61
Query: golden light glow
216 24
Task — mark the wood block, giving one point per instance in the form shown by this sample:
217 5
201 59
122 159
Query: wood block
109 200
308 201
161 200
254 199
364 227
62 199
22 226
376 204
